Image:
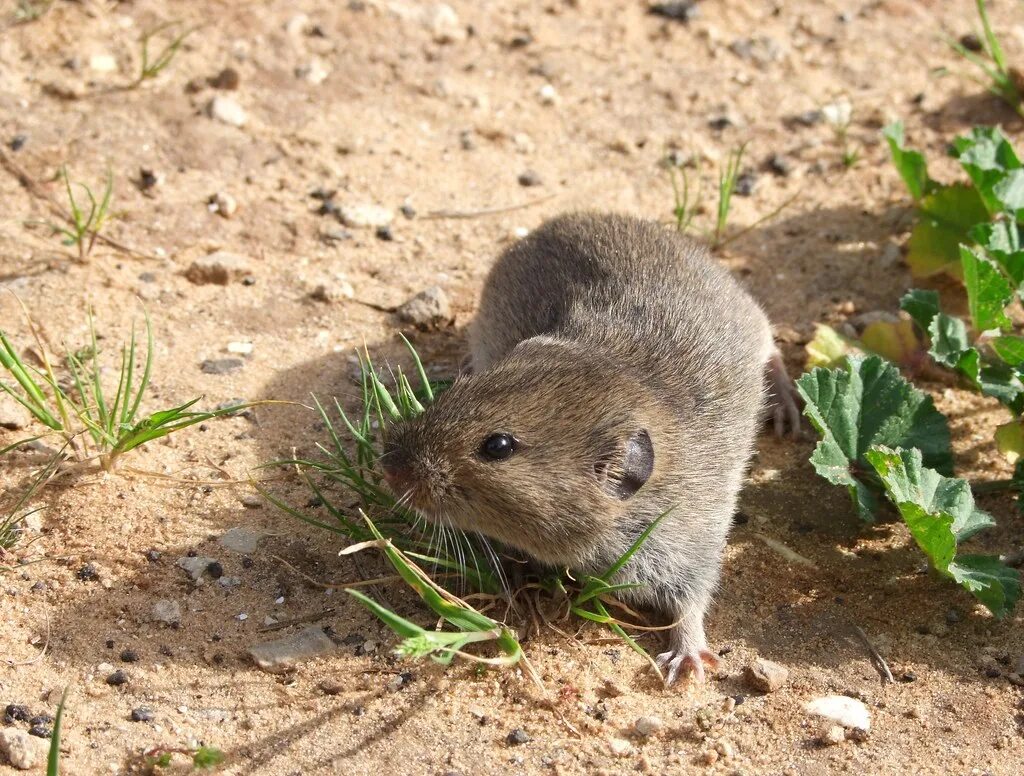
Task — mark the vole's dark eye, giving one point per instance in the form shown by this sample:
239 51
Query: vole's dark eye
498 447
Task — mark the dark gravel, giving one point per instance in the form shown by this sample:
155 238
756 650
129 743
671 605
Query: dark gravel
15 712
529 178
40 731
130 656
221 366
88 573
517 737
117 678
679 11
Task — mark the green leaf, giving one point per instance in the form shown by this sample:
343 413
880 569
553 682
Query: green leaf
988 158
944 218
207 757
940 513
990 581
53 758
1001 241
910 164
949 340
988 292
1010 349
921 305
864 405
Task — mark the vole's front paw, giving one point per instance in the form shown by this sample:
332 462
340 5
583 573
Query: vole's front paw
783 399
677 663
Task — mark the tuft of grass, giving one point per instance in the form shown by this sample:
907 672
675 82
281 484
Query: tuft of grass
685 209
726 186
151 66
1002 80
84 225
350 461
97 423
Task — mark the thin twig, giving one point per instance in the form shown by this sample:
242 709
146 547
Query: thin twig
302 618
876 658
491 211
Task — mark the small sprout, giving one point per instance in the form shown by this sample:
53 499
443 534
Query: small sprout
84 226
151 67
838 116
726 187
685 209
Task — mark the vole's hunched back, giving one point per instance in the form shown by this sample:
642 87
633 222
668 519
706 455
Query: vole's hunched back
618 373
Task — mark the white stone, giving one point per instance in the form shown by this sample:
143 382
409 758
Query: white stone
228 111
648 726
315 71
842 710
23 751
282 654
365 215
443 23
223 204
547 95
103 63
240 348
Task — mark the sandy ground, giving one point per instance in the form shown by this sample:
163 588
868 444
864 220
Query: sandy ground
397 103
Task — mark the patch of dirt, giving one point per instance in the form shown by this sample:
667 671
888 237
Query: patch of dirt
392 103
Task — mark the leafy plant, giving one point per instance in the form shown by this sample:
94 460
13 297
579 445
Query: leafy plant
150 67
350 460
84 226
1003 80
879 433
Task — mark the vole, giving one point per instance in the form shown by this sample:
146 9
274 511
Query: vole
617 374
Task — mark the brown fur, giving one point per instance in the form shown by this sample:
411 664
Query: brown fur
593 329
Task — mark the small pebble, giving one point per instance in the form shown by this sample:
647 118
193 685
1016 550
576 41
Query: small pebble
251 501
648 726
679 11
314 71
365 215
517 737
808 118
427 308
215 569
117 678
227 79
408 210
23 751
746 183
40 731
780 165
283 654
547 95
971 42
764 675
529 178
142 714
102 63
223 204
835 734
384 233
18 142
333 292
620 747
227 111
221 366
331 687
241 540
130 656
709 757
88 573
219 268
466 140
167 611
841 710
16 713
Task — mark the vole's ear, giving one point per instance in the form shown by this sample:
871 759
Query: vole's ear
622 471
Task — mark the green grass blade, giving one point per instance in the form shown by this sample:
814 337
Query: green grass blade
625 557
128 371
994 49
53 758
97 387
147 370
420 370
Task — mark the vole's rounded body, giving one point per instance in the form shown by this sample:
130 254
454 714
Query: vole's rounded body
621 372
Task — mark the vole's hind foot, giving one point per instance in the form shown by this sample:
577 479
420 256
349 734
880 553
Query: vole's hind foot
783 398
688 651
675 664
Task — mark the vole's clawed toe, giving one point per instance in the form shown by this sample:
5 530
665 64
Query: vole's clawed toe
783 398
688 651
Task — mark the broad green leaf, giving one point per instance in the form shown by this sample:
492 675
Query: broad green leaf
865 405
1001 241
988 158
944 218
910 164
949 340
990 580
988 292
940 512
921 305
1010 349
996 380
